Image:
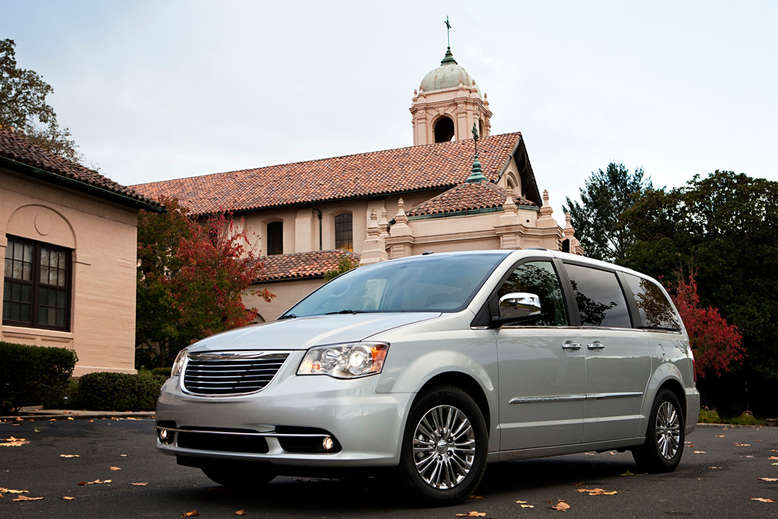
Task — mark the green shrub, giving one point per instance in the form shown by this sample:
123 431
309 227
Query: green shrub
161 372
118 392
709 416
33 375
746 418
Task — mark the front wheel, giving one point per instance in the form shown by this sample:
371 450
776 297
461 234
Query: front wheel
444 447
664 443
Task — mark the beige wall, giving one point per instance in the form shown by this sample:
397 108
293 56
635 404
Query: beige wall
103 237
287 293
301 226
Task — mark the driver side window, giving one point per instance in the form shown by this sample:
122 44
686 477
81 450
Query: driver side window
539 278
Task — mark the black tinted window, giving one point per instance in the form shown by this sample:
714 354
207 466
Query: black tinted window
599 297
539 278
654 308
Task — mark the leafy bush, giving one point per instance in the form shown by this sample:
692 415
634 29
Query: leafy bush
118 392
161 372
33 375
746 418
709 416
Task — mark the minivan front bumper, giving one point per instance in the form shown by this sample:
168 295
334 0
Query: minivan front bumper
366 426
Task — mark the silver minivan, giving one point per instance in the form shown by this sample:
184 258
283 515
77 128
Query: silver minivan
434 365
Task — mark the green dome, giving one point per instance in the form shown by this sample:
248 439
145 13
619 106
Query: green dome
448 75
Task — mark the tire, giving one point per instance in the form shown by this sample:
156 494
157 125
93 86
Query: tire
460 463
240 477
665 432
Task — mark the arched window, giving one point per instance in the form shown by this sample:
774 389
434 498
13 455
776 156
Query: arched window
344 239
275 238
444 129
480 127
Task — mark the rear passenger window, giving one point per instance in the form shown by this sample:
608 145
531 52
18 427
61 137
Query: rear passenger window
599 297
654 308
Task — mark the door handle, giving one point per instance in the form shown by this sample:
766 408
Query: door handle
571 346
596 345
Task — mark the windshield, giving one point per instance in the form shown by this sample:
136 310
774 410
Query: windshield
430 283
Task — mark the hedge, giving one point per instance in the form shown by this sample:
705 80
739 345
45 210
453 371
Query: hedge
117 392
33 375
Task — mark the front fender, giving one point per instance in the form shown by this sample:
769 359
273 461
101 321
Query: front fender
418 371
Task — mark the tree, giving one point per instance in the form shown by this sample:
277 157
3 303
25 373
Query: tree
717 345
724 228
23 106
345 264
191 276
605 195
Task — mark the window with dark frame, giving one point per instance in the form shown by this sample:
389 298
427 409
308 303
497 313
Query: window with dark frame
275 238
37 285
343 232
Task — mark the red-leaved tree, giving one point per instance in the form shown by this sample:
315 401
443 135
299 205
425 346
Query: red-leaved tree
191 276
717 345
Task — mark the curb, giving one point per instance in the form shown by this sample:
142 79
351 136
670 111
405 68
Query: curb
77 414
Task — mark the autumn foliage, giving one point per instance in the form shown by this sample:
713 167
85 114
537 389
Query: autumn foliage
191 275
717 345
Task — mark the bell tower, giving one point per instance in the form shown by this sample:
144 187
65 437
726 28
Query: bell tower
448 103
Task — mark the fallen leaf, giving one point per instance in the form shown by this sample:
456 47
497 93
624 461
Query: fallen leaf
473 513
527 506
95 482
597 492
773 450
123 455
561 506
70 417
35 429
17 442
627 473
114 468
191 513
69 455
140 483
700 452
749 456
773 463
25 498
612 453
589 453
240 512
714 467
12 491
769 480
760 499
773 458
68 498
721 436
92 420
53 420
742 444
476 497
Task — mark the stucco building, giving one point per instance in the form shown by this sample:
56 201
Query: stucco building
68 236
436 195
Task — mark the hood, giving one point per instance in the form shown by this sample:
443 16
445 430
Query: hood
303 332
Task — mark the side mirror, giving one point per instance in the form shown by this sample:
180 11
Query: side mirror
518 306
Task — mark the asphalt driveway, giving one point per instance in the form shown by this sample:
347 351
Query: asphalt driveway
718 477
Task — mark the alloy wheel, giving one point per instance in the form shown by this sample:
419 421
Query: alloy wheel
668 430
444 447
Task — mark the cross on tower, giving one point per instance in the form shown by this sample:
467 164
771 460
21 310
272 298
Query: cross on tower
448 31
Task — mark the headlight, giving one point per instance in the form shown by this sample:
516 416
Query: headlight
178 365
351 360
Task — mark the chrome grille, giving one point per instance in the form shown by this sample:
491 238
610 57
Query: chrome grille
230 373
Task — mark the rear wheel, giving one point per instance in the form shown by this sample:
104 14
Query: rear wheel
664 443
444 447
240 477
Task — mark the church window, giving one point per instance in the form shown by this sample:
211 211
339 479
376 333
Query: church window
444 129
275 238
343 232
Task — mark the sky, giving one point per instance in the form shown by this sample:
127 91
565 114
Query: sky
168 89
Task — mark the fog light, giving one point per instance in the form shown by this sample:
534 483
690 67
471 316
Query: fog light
327 443
165 436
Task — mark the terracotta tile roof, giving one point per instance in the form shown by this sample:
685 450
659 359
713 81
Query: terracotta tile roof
398 170
15 146
303 265
466 197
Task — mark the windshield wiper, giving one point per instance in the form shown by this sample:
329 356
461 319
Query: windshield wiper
345 311
287 316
